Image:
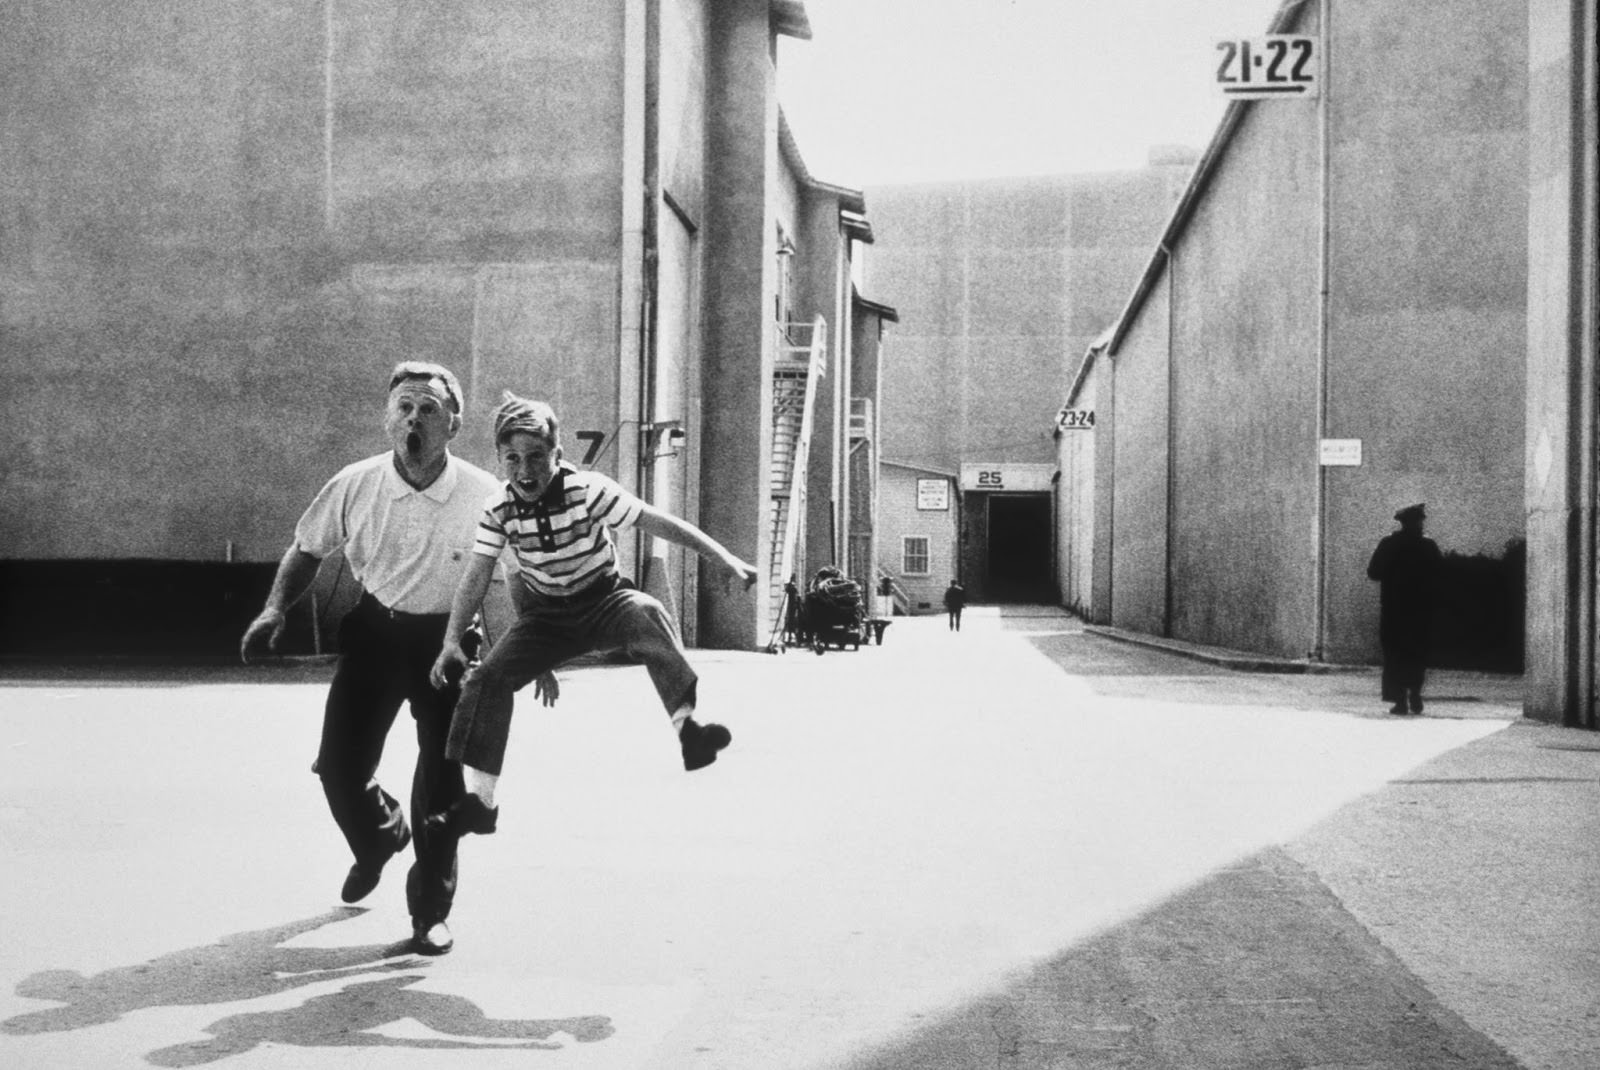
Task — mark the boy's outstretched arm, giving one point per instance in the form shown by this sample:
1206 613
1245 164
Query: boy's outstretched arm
653 521
469 596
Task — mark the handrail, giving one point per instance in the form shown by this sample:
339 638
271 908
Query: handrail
901 597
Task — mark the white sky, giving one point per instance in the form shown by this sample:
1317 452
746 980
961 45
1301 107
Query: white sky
891 91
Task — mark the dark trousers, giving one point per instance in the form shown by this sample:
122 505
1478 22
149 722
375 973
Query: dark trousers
550 631
384 661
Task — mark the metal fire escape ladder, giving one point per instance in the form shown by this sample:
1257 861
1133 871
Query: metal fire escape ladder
796 371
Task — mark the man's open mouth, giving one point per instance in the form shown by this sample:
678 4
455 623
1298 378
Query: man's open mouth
413 442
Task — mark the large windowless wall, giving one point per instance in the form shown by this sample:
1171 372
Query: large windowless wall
225 222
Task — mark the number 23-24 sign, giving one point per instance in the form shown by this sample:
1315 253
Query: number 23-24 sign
1277 65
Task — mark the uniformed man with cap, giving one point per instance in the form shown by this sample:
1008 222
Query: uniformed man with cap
1405 566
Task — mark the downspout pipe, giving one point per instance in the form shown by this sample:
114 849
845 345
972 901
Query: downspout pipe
1319 593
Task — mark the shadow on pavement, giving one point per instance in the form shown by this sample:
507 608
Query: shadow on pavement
1258 966
254 965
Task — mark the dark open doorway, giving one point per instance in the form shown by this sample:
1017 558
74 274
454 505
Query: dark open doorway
1018 560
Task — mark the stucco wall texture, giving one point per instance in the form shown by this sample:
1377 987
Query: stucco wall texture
1243 393
1425 336
225 222
1140 469
1000 284
1427 329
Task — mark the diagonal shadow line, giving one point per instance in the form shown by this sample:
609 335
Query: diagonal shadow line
254 965
1257 965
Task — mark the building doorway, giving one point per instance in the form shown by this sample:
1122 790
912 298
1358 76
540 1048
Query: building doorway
1017 557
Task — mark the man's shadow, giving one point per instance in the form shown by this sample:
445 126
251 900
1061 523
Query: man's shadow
342 1018
253 965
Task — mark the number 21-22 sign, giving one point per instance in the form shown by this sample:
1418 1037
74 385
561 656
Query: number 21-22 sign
1271 67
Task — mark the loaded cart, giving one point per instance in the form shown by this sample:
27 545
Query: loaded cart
832 612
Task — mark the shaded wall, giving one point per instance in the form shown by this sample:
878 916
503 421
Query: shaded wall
224 223
1427 324
1141 468
1243 393
1076 517
1561 441
736 388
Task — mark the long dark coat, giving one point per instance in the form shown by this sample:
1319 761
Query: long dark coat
1406 566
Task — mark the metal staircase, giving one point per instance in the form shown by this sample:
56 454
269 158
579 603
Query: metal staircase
800 362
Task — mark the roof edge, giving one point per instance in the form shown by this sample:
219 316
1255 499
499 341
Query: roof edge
850 200
908 466
1282 22
789 18
883 311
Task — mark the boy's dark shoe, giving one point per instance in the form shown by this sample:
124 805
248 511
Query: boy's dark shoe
466 814
700 743
364 876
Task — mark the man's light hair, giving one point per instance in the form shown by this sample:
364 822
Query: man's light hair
426 371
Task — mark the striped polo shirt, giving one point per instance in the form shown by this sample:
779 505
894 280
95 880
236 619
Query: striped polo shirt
562 541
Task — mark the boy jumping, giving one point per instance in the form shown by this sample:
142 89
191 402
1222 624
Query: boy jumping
559 520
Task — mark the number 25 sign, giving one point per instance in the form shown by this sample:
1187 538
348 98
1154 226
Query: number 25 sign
1274 66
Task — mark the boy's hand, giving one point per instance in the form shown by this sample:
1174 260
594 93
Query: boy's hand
547 688
268 622
448 666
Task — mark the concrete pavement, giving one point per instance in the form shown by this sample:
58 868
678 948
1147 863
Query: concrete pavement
1019 846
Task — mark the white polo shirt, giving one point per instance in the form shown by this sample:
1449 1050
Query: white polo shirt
407 547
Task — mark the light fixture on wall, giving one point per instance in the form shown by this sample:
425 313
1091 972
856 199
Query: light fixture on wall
664 438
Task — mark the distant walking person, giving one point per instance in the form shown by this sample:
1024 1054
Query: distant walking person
1405 565
955 599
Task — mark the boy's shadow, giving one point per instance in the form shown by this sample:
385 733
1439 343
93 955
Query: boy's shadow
342 1018
253 965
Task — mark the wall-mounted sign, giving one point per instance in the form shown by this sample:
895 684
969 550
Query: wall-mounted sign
1075 420
1270 67
933 494
1341 451
1007 476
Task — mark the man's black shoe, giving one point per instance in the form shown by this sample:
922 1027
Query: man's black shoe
363 876
432 939
466 814
700 743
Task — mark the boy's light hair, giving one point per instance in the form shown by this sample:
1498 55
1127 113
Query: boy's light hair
524 414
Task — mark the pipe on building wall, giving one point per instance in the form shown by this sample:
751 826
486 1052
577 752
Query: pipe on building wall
1319 527
633 304
1169 262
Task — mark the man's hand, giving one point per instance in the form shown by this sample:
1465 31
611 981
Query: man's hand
448 666
269 623
739 570
547 688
